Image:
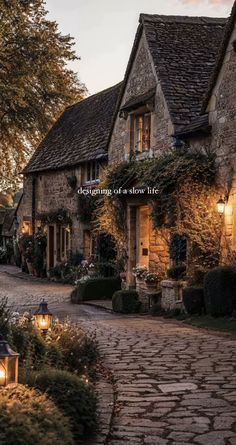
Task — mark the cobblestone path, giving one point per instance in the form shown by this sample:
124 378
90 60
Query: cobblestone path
174 384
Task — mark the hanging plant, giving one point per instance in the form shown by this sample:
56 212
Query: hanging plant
59 216
72 181
87 205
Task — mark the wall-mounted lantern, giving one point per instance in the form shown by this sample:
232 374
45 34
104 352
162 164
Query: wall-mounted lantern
221 206
43 317
9 364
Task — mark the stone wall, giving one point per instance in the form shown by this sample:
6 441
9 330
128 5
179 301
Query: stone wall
142 78
172 295
52 192
222 117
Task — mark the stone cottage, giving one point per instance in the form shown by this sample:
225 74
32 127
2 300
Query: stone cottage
72 155
215 129
170 66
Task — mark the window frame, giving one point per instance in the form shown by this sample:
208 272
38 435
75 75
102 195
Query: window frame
141 143
92 172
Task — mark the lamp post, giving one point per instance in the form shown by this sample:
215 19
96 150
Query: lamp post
43 317
9 364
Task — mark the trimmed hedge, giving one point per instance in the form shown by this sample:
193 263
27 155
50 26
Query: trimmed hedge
177 272
96 289
193 298
29 418
75 398
220 291
126 301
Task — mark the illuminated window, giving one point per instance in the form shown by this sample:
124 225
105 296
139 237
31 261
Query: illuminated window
140 132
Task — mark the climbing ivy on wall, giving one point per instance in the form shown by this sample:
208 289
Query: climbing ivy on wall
184 204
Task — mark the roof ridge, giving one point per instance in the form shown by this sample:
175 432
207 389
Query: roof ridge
198 20
106 90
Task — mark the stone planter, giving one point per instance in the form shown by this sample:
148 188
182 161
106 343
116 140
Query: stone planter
171 294
145 291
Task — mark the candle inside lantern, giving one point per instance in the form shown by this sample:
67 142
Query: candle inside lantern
3 377
43 317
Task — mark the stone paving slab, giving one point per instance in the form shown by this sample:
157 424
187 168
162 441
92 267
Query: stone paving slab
144 354
197 370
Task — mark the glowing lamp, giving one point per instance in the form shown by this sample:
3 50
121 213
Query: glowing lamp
221 206
9 364
43 317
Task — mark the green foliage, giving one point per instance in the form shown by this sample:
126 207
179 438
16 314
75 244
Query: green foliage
28 342
76 259
220 291
168 174
177 272
36 83
78 351
96 289
86 208
75 399
28 417
72 181
193 298
126 301
60 216
40 244
5 315
111 211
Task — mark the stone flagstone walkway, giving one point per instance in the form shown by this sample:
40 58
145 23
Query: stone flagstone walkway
174 385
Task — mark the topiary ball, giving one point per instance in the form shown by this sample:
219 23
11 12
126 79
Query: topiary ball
75 398
30 418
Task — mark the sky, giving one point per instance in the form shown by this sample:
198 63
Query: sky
104 31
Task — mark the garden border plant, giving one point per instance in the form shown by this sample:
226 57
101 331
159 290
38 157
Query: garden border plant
68 358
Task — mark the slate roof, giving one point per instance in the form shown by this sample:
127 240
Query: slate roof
223 47
199 124
79 135
184 52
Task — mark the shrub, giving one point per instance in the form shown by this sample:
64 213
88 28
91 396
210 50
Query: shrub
126 301
76 259
77 350
220 290
96 289
193 298
177 272
30 345
5 315
75 398
28 417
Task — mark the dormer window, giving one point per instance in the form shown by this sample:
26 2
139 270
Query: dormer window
140 132
92 171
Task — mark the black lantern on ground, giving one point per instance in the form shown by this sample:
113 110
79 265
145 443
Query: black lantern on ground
9 364
43 317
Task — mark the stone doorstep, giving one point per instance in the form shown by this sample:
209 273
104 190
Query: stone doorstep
105 411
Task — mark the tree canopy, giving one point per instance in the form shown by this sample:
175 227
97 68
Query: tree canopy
35 81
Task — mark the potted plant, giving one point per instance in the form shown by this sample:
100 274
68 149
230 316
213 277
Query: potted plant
29 257
140 272
151 279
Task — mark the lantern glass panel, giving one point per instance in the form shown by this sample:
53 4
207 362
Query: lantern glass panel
3 372
221 207
11 377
